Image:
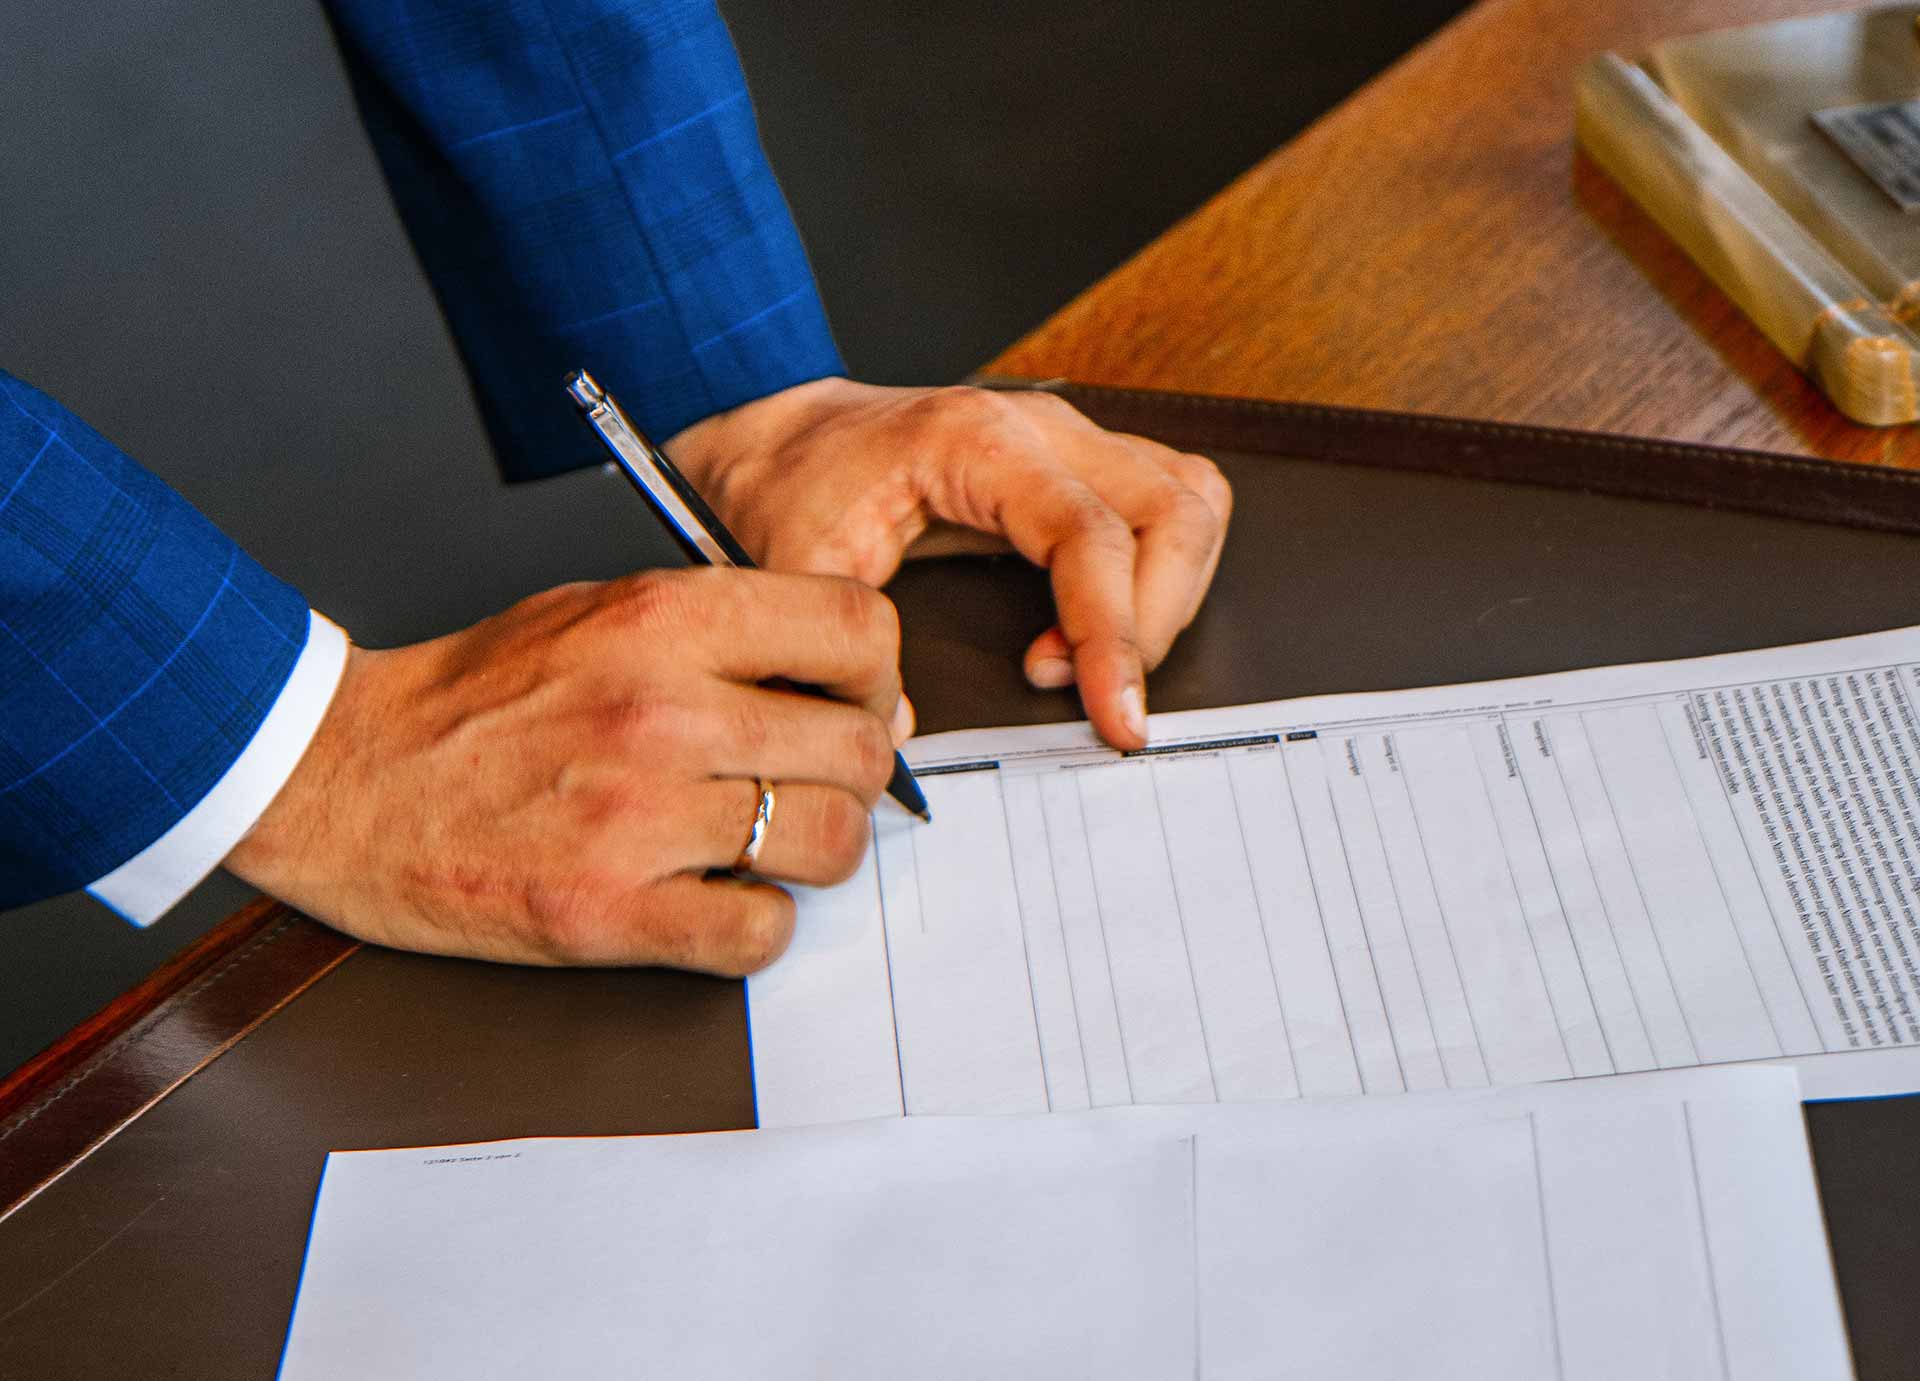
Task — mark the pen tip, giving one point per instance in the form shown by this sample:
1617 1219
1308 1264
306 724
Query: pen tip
925 815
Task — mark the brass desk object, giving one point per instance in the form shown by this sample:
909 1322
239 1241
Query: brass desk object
1782 158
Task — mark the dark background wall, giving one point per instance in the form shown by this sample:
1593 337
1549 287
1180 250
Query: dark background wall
197 254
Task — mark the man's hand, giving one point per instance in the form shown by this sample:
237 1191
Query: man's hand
840 478
551 785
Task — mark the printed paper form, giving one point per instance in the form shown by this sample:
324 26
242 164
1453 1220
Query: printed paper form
1662 1225
1575 875
1659 1226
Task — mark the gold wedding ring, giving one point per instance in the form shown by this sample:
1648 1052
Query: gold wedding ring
762 822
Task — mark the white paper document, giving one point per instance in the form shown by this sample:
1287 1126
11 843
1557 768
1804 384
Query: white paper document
1665 1227
1661 1227
1590 873
829 1252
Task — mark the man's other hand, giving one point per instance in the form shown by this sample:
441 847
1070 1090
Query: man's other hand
553 785
840 478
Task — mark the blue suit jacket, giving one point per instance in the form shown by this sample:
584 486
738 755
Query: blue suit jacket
584 183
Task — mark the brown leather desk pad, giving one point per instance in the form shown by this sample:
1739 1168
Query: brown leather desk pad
174 1248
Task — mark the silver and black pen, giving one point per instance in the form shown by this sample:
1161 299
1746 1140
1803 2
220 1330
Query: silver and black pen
695 526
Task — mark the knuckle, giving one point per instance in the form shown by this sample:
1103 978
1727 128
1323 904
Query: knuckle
1043 401
886 625
764 929
1104 531
651 600
870 754
751 733
646 726
842 838
566 917
868 616
1116 644
959 405
594 806
852 608
1194 522
555 598
1204 478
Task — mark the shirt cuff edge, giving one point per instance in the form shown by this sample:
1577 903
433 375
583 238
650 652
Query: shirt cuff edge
148 885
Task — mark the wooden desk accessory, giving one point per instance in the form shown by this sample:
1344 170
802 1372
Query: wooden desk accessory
1785 159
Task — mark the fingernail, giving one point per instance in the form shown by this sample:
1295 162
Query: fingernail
1133 712
903 721
1051 673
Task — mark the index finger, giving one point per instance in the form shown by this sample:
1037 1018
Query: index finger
838 635
1089 551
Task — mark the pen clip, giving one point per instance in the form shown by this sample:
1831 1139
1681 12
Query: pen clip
694 526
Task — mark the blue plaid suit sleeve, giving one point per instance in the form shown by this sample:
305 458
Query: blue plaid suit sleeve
140 650
584 183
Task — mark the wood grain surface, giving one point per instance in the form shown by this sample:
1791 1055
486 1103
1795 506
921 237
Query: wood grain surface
1435 245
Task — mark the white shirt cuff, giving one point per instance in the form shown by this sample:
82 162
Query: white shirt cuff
146 886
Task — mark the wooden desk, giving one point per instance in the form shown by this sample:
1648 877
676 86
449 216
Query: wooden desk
1434 245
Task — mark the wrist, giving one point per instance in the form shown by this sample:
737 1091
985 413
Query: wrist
283 848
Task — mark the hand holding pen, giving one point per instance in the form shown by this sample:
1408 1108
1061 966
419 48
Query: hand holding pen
706 542
588 778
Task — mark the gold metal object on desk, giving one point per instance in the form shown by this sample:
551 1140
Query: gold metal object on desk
1779 156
